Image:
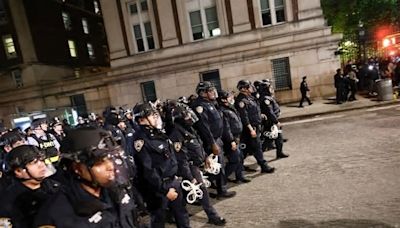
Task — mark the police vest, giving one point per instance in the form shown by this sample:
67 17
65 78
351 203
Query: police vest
47 145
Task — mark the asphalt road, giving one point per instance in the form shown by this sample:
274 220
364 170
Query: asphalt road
343 171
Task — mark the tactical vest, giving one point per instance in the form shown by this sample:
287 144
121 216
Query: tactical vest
47 145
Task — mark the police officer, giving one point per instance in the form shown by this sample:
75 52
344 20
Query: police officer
8 141
250 114
191 155
57 129
157 169
210 127
29 189
231 136
44 140
270 108
91 198
112 119
304 90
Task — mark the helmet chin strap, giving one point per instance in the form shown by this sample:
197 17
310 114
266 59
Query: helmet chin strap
31 177
149 123
93 183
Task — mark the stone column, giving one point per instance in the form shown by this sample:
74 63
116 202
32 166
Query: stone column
309 9
22 28
167 23
112 24
240 16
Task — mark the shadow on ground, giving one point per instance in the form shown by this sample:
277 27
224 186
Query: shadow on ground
339 223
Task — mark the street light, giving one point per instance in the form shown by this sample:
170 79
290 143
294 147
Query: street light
361 40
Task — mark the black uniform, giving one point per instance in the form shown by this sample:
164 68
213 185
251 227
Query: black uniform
340 87
232 133
157 169
128 134
21 204
304 89
191 157
117 134
249 110
210 127
74 207
271 109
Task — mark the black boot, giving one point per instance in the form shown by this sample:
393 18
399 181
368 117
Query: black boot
281 155
267 169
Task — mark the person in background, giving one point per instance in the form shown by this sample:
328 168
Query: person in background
304 90
339 85
29 190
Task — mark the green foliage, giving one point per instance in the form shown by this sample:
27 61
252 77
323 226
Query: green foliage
345 15
349 17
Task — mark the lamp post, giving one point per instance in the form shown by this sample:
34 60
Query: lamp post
361 41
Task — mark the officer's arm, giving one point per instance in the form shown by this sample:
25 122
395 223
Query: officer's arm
202 126
182 157
227 133
244 116
183 163
270 113
55 141
32 141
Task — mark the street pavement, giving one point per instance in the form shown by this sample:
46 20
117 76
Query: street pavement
343 171
328 105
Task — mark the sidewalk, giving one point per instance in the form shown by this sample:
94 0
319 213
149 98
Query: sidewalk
328 105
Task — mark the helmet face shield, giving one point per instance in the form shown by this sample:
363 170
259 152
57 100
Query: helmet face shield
99 152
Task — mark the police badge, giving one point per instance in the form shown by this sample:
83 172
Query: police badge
138 144
177 146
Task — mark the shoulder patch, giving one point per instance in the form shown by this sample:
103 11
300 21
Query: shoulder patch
138 144
241 104
177 146
267 102
199 109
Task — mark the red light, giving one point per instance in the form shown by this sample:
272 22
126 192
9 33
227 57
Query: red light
386 43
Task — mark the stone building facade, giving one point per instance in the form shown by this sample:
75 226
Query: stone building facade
161 49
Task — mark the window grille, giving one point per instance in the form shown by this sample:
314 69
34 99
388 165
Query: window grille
148 91
281 73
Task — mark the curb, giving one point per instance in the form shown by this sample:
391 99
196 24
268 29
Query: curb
306 116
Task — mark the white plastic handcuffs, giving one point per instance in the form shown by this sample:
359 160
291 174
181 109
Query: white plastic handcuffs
206 182
273 134
215 167
194 191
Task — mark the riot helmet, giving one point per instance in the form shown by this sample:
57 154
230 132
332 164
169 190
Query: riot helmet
22 155
204 86
39 123
243 84
143 110
55 122
10 140
266 87
111 115
94 147
183 114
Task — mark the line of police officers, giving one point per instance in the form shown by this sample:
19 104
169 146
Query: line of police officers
104 177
